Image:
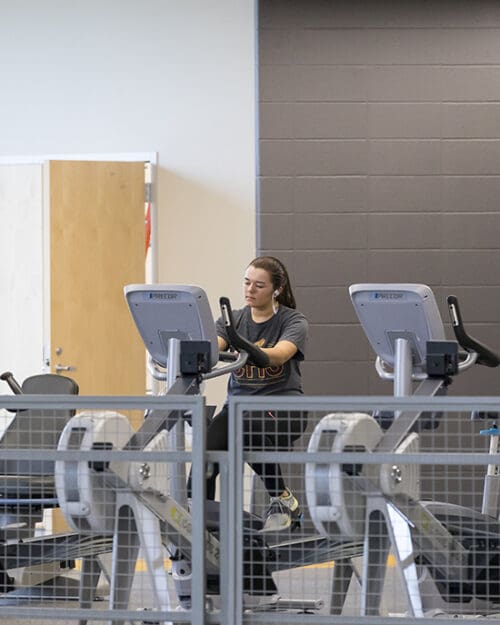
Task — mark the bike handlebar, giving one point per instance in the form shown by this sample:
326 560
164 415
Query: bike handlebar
15 387
485 356
255 354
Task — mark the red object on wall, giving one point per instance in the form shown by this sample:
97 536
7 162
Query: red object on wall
148 226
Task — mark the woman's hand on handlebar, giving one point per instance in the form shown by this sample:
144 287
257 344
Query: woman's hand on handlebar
262 357
277 355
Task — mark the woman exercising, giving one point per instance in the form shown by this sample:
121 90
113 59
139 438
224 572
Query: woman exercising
270 322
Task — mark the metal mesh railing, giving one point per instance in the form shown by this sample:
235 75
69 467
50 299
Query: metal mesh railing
385 534
106 529
90 529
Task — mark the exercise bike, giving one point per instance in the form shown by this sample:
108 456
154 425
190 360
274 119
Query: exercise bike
447 556
145 508
34 566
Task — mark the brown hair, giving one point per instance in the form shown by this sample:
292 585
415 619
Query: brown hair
279 278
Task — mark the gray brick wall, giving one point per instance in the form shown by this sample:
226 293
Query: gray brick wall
379 145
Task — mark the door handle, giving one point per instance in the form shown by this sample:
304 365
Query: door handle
60 368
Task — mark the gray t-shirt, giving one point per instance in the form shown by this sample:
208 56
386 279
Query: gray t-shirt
287 324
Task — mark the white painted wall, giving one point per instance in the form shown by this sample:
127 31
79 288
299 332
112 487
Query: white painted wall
176 78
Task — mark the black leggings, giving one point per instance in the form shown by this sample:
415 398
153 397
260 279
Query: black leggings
262 431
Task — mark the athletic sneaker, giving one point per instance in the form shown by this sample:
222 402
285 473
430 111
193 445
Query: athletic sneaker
283 513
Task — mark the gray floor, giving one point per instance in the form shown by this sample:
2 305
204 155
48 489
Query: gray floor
308 583
312 583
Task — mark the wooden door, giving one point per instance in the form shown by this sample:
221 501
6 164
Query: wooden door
96 247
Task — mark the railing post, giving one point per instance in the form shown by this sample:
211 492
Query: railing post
235 515
198 515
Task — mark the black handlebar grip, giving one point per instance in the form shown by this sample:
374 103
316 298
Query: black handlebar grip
485 356
8 377
255 354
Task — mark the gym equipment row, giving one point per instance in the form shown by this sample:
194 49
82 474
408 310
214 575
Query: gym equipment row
445 552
